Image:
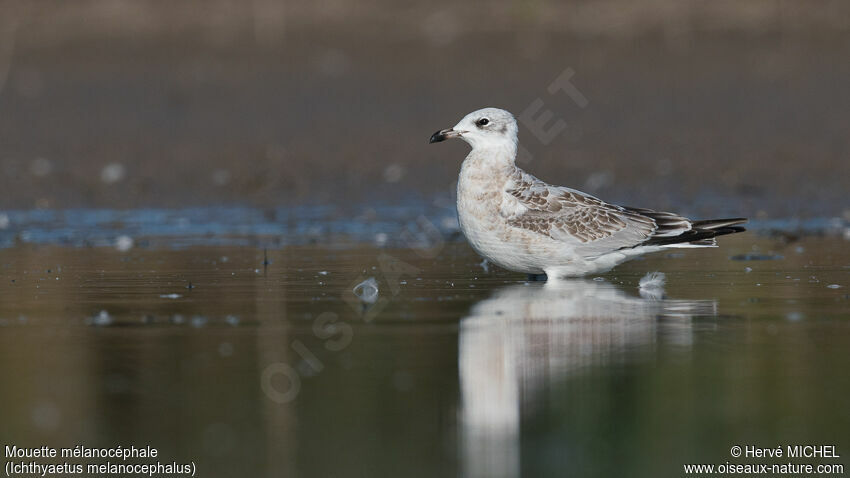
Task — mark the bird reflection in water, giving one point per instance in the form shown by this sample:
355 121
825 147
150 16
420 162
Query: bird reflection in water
526 336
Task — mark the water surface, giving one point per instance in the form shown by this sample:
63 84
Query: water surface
264 363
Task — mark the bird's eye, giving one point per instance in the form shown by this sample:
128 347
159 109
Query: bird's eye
482 122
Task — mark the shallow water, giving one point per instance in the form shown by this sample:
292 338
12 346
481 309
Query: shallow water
264 363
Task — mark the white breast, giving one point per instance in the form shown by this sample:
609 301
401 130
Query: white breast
482 205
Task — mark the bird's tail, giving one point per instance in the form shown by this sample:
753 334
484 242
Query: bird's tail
701 234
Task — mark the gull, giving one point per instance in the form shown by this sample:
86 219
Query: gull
523 224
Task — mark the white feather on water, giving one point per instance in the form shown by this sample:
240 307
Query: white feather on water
367 291
653 280
651 286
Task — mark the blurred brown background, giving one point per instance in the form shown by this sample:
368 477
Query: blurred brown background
707 107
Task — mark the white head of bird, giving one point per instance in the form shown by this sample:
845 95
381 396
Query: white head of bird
488 128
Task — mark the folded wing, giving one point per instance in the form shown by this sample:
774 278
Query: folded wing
594 226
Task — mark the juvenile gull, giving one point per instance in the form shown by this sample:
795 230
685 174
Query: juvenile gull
523 224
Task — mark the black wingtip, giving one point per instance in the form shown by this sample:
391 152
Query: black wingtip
718 223
694 235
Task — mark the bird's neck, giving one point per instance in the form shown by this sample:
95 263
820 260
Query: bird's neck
493 156
484 166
